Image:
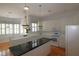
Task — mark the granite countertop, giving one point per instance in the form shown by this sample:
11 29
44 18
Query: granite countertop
28 46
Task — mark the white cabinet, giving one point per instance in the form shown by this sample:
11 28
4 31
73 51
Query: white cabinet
61 41
54 43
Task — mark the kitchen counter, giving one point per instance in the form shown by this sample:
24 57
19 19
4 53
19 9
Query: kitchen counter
28 46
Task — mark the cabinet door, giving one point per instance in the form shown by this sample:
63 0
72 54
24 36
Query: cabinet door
61 41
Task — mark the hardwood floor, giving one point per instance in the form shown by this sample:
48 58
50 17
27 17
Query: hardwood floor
57 51
4 49
5 45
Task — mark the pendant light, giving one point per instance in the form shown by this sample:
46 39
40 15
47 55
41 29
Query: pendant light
26 25
39 21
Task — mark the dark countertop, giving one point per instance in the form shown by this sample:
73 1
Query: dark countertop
28 46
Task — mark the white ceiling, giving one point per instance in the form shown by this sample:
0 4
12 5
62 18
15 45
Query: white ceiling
15 10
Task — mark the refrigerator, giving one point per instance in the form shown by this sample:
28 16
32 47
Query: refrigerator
72 40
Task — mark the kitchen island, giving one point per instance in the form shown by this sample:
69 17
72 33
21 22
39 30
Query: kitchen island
36 47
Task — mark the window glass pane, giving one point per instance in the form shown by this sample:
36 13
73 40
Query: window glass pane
14 28
11 29
0 29
34 27
3 28
7 28
33 24
17 28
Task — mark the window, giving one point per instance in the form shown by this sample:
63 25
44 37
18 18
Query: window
11 29
3 28
34 27
16 29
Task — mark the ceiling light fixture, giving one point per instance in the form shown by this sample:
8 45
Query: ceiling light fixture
39 21
26 8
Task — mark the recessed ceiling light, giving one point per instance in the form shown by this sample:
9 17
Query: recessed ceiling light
26 8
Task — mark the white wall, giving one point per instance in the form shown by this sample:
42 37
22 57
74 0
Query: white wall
58 22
